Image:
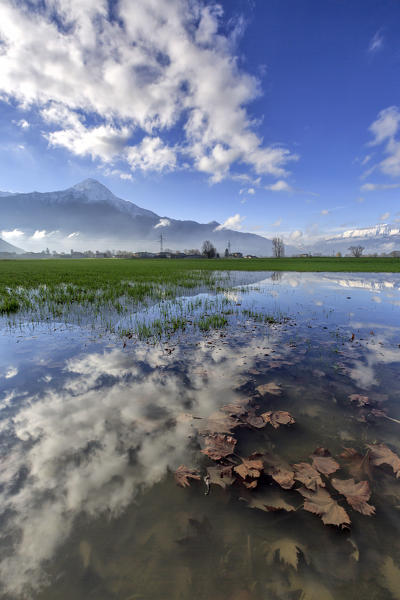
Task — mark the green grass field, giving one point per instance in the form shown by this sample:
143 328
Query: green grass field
101 291
97 273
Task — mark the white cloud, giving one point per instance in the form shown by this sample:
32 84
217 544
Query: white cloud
279 186
385 216
39 234
376 42
296 235
23 123
251 191
157 67
277 223
325 211
386 125
118 173
73 235
162 223
384 130
151 155
11 372
372 187
234 222
12 236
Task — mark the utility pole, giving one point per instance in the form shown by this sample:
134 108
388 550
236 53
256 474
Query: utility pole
161 242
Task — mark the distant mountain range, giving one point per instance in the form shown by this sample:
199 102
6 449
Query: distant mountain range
89 216
382 238
6 247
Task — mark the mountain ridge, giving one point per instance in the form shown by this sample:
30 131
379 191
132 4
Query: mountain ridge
89 216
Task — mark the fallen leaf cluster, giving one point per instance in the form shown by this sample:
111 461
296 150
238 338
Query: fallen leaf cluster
264 477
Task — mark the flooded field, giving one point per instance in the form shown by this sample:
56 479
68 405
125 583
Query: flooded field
264 416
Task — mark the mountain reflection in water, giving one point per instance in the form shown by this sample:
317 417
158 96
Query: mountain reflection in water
91 433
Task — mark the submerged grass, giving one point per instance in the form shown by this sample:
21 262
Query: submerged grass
113 294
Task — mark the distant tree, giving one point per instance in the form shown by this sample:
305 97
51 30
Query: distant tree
278 247
356 251
226 253
338 255
208 249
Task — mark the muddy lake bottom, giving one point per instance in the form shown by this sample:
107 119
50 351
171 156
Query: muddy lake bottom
93 428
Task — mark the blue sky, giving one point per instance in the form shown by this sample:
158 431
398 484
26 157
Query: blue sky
274 116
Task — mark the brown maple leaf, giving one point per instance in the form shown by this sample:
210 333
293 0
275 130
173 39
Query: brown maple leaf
279 470
322 504
278 417
249 467
269 388
382 455
359 400
183 474
221 475
219 422
269 500
323 461
254 420
356 494
308 475
218 445
358 465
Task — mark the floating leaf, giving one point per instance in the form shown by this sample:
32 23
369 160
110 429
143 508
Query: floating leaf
218 445
358 465
279 470
323 461
322 504
269 388
359 400
382 455
356 494
183 474
308 475
220 475
278 417
254 420
269 500
287 551
219 422
249 467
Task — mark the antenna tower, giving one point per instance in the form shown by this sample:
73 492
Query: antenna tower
161 242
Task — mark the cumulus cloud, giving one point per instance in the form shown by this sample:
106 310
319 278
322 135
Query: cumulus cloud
384 130
296 235
120 88
13 235
372 187
23 123
234 222
162 223
279 186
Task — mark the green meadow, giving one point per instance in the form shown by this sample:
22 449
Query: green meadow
102 292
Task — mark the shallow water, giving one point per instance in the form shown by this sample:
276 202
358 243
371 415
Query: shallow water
92 431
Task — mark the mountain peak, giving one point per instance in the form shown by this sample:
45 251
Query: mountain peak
93 190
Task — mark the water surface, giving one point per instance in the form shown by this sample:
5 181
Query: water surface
92 429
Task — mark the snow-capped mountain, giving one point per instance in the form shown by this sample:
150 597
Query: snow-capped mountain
371 232
89 216
379 239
